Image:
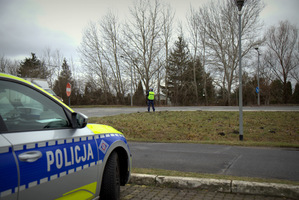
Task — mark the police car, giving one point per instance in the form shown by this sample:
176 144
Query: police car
48 151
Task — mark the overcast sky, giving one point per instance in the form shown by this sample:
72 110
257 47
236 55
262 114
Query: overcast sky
33 25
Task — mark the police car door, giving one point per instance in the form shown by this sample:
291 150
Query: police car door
53 159
8 170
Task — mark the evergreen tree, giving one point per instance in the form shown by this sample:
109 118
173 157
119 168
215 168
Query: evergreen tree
95 95
210 89
64 77
139 98
178 65
287 91
202 79
189 97
296 94
92 94
276 92
33 68
280 92
249 93
181 70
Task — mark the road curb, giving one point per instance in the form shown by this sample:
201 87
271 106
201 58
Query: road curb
219 185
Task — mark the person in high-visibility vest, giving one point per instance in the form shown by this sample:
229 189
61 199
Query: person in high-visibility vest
150 99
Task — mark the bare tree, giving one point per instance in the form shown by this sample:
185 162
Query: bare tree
194 31
110 30
295 74
219 25
282 54
92 58
8 66
142 41
198 39
168 16
4 64
53 61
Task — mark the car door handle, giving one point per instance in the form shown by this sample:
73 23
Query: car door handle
30 156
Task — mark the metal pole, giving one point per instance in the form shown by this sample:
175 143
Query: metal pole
131 87
258 78
240 84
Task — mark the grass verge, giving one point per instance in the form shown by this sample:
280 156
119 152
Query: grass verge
269 129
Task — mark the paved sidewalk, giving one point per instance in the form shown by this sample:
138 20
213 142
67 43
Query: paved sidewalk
155 187
142 192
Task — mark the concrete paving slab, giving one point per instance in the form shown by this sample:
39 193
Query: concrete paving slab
283 191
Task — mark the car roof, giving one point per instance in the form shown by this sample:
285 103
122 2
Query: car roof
18 79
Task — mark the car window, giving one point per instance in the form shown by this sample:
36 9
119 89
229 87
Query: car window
23 108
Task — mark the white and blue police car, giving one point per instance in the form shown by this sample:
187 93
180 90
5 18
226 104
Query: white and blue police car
48 151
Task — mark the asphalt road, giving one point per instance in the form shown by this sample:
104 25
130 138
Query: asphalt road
215 159
101 112
272 163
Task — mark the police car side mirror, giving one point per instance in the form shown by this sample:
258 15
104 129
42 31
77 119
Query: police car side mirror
79 120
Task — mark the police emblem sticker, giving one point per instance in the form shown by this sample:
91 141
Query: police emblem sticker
103 146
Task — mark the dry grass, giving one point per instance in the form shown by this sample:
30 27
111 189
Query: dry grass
260 128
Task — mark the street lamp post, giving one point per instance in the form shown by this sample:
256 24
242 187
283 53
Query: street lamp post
240 4
258 76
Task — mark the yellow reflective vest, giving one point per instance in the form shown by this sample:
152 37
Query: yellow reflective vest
151 95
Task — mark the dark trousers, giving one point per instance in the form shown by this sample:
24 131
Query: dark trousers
149 103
